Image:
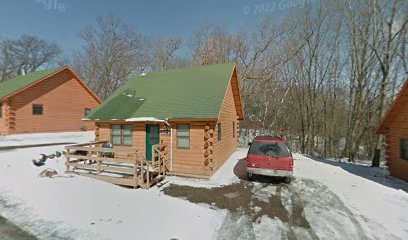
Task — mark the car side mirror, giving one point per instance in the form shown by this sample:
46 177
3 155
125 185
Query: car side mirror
249 144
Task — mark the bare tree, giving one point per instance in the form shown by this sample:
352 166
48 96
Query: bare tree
377 31
212 44
112 52
25 54
163 54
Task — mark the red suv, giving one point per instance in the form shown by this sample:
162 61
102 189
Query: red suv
269 156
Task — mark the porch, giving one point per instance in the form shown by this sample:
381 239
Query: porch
118 165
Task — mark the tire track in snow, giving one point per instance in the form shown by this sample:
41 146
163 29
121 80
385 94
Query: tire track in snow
305 209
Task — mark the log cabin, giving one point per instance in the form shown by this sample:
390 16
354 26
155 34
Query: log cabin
394 126
51 100
194 112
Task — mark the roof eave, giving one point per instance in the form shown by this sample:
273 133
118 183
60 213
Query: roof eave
383 127
86 87
32 84
80 81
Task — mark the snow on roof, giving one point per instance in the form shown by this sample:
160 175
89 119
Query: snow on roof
144 119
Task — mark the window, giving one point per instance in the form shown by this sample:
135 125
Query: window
87 111
1 110
38 109
404 149
219 132
121 135
269 149
233 129
183 136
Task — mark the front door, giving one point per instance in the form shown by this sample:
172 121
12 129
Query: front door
152 138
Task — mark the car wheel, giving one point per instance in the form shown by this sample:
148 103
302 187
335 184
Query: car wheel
288 179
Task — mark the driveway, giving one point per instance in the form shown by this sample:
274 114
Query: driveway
269 209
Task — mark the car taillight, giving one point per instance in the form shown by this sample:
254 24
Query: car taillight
249 162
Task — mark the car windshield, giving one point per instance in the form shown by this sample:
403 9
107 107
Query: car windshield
270 149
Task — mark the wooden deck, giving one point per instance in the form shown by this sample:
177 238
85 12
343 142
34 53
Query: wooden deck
118 165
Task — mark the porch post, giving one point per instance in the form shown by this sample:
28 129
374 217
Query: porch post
171 148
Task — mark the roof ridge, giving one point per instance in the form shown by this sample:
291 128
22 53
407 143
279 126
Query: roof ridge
195 92
32 73
18 82
190 68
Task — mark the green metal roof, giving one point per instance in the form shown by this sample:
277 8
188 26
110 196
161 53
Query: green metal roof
196 92
10 86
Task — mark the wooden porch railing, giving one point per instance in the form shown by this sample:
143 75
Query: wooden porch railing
121 166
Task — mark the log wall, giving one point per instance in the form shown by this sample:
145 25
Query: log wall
228 144
64 101
190 162
398 130
3 129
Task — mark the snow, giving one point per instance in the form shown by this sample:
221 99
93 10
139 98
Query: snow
263 194
84 208
271 228
144 119
377 205
45 138
340 201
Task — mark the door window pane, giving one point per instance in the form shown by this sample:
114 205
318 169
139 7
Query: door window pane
154 134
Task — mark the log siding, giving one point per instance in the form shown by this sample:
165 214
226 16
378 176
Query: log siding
205 154
229 120
398 131
395 128
64 100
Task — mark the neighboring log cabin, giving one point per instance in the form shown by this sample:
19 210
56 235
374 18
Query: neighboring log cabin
52 100
395 128
194 112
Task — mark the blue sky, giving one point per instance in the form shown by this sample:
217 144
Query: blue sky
62 20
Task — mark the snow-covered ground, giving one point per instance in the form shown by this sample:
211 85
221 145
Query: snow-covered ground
45 138
338 200
73 207
378 201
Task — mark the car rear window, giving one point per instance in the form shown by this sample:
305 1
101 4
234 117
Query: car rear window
270 149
